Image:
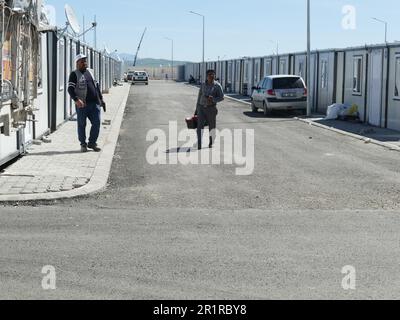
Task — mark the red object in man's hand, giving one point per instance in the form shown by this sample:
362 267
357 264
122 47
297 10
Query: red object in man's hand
192 122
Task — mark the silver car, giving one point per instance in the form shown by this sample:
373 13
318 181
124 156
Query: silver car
283 92
140 77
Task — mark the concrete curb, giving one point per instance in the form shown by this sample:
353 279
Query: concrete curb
390 146
98 181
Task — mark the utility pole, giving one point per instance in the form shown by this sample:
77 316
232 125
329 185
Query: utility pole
386 26
84 28
95 33
204 29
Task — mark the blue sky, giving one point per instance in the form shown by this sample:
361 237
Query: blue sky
233 28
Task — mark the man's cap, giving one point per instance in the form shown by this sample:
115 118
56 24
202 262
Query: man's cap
210 71
80 57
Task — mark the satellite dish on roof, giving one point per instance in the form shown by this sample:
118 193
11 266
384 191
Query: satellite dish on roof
72 20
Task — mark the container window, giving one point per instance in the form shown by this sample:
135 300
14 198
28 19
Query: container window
397 81
357 75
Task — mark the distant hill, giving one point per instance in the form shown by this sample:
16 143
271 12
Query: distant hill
149 62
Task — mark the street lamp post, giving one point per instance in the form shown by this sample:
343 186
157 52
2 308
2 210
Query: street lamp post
172 60
308 59
204 28
386 26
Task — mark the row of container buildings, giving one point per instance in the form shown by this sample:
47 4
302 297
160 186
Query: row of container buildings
36 62
367 76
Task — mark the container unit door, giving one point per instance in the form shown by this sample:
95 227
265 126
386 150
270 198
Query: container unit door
251 78
300 68
268 67
256 73
292 65
393 112
275 65
42 115
229 77
339 77
223 74
375 82
325 81
60 93
314 81
68 70
237 76
246 73
283 65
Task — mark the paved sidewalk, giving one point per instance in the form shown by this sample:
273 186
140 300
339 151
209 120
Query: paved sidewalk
369 134
58 169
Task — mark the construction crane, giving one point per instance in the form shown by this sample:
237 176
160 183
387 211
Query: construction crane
138 49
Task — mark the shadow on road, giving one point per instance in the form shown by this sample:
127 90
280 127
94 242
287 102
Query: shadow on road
179 150
274 115
54 153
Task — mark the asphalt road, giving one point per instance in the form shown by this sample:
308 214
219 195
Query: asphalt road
316 202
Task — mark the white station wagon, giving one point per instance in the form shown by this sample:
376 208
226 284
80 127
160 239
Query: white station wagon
283 92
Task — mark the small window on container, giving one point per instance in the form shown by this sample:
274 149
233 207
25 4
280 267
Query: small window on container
357 75
397 79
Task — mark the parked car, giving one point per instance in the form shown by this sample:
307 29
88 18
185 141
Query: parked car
140 77
129 76
283 92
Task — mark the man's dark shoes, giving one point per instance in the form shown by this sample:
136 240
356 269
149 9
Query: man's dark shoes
94 147
84 149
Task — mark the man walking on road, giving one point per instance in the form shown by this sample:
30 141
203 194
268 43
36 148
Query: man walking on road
210 94
85 91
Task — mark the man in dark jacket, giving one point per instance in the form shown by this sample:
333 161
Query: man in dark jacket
210 94
85 91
